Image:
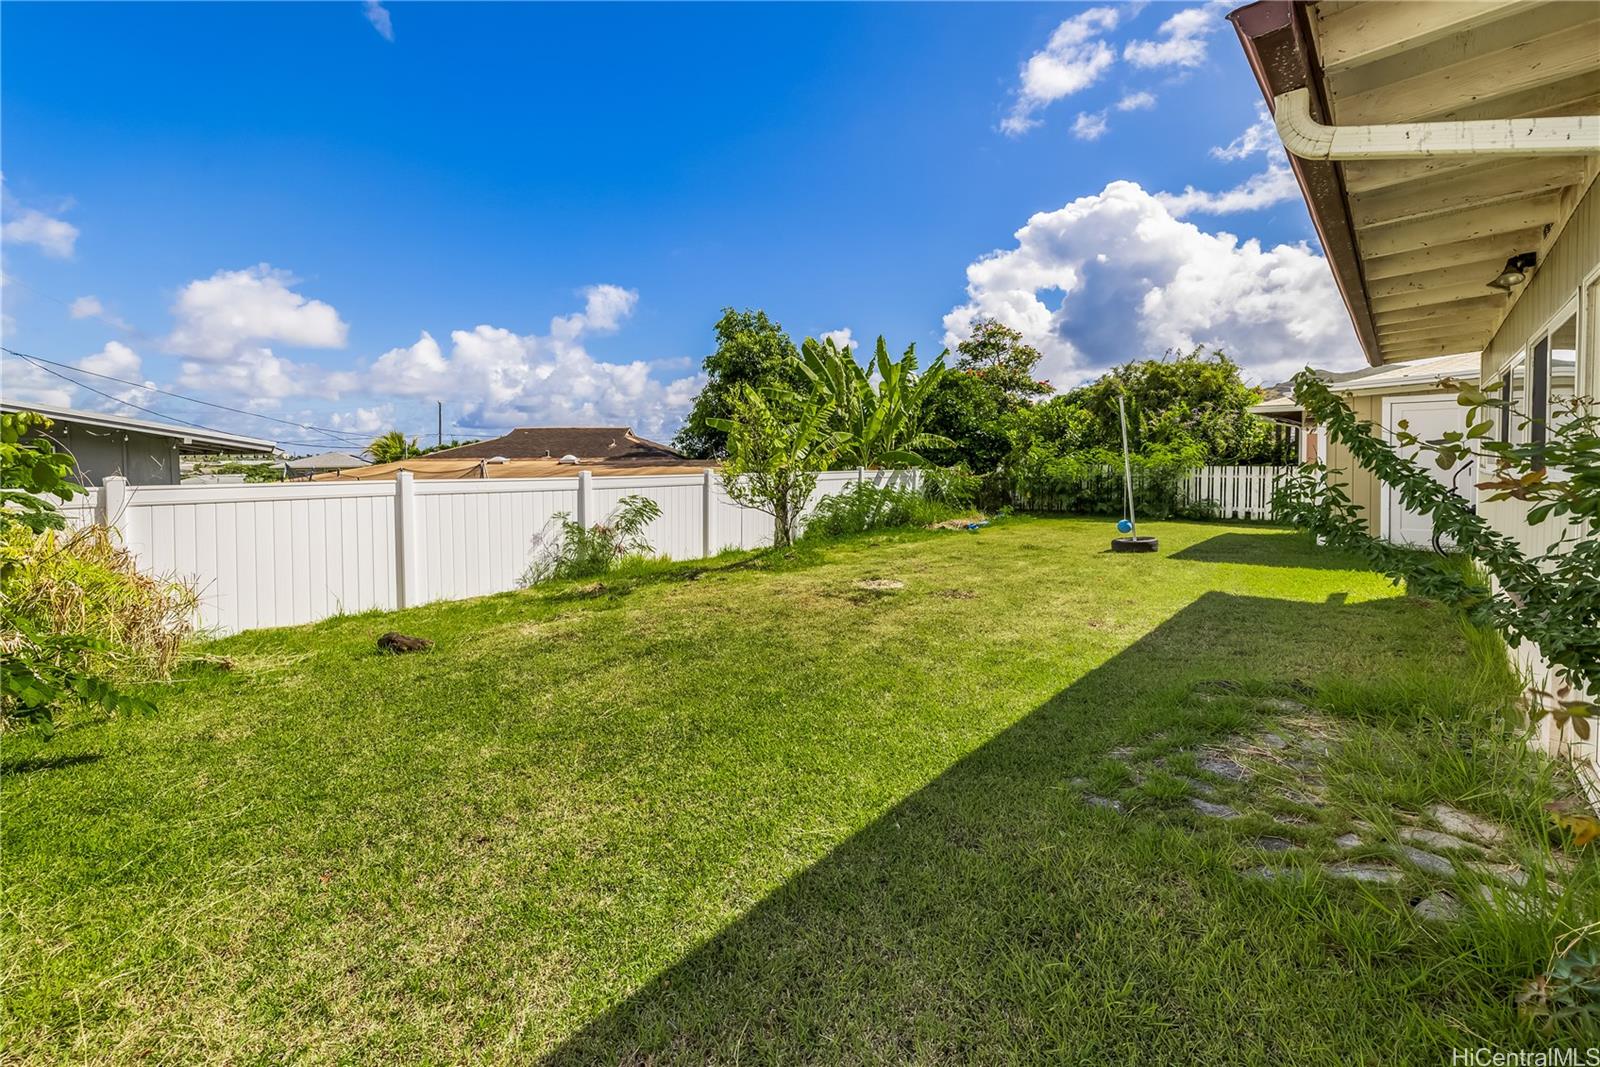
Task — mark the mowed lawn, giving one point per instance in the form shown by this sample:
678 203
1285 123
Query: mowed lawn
742 812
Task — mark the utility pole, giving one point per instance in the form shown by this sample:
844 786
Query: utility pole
441 422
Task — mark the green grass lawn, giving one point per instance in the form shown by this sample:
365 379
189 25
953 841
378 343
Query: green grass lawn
752 812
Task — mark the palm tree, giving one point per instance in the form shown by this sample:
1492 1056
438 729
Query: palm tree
390 447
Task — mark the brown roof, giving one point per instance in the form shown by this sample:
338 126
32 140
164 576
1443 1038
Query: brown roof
553 442
433 467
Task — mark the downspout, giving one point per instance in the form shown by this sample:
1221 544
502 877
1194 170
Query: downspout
1304 136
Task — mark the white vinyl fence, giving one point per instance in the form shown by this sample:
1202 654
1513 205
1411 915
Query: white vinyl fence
280 554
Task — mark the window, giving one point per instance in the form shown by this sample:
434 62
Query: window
1514 400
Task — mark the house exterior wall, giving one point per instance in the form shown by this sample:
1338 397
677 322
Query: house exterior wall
1361 484
142 458
1569 269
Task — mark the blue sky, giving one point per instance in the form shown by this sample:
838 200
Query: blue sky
535 213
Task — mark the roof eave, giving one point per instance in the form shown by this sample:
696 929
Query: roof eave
1277 44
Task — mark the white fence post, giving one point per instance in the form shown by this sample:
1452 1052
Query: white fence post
407 551
113 506
708 513
585 500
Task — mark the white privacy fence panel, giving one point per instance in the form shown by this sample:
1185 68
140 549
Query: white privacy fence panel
275 554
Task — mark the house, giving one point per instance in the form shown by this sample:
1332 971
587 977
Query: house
1417 391
144 452
1448 154
589 443
540 452
307 466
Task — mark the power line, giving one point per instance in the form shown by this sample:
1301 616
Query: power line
349 436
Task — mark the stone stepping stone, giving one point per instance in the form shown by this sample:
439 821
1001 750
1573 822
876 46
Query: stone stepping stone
1216 811
1290 820
1438 907
1274 844
1105 802
1286 706
1271 874
1274 741
1504 873
1428 861
1373 873
1348 841
1434 839
1222 767
1463 824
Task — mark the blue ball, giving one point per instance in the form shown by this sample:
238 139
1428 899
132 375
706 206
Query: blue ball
1125 526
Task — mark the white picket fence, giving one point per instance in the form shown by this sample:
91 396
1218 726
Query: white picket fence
1235 492
280 554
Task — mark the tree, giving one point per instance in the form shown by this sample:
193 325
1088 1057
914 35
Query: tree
1199 397
391 447
875 425
995 354
778 440
1551 598
751 350
30 470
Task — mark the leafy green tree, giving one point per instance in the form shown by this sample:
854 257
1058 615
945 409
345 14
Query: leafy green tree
1551 598
876 424
778 441
1198 398
392 447
751 350
996 355
30 471
974 407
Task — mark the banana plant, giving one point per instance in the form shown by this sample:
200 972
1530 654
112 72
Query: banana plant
877 425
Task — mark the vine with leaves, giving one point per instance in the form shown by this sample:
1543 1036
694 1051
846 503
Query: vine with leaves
1550 598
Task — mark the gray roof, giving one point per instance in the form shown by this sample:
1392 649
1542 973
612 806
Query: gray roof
326 461
189 438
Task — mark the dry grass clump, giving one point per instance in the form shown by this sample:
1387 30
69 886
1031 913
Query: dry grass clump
82 582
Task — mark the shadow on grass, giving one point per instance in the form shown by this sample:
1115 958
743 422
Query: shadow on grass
1287 548
30 764
992 916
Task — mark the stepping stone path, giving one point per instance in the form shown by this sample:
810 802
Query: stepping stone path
1216 811
1442 855
1437 907
1365 872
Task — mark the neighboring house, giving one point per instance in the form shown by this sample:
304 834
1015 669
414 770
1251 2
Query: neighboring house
1416 391
322 462
541 452
1448 228
143 452
588 443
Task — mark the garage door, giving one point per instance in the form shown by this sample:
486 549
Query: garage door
1430 419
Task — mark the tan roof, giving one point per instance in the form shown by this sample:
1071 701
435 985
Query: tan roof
429 467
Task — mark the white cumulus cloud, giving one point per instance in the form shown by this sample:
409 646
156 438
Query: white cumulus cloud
1075 57
1271 186
495 377
90 307
1115 276
219 316
1090 126
842 338
1180 40
1139 101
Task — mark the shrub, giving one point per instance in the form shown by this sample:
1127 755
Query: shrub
80 620
864 507
568 549
1089 481
955 487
